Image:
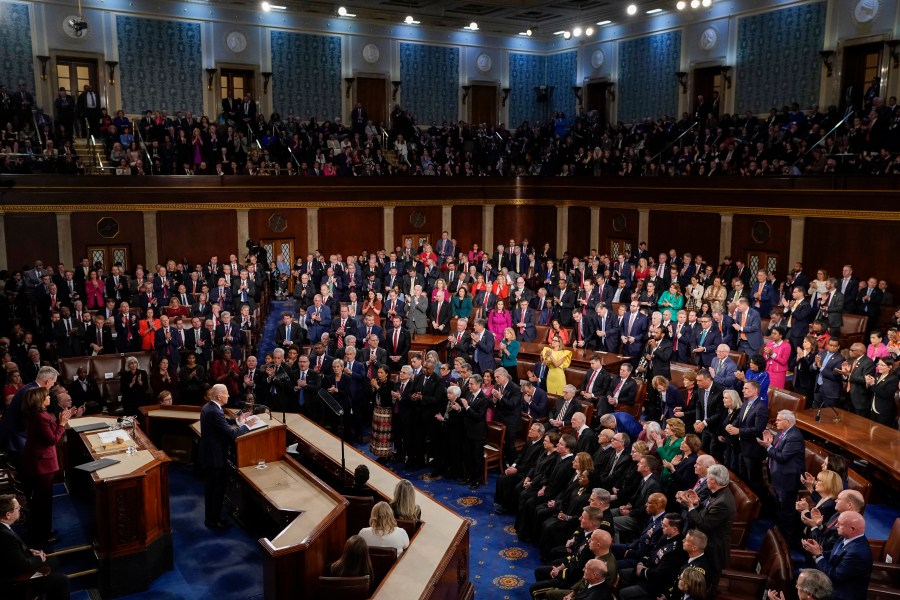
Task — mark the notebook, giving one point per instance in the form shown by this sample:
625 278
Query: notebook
96 465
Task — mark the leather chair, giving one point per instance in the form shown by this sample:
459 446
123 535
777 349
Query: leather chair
524 427
740 359
493 447
816 455
105 367
541 333
359 511
575 376
853 330
345 588
781 399
410 526
750 573
747 507
588 409
639 397
383 559
886 575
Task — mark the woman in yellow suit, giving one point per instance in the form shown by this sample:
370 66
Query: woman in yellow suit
557 360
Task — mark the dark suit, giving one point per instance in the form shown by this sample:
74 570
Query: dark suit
859 393
751 422
483 352
528 333
609 342
90 337
829 382
711 411
715 519
634 325
787 462
170 349
849 568
599 385
707 340
752 331
506 484
627 391
799 319
476 432
398 347
537 408
883 407
16 559
508 410
216 438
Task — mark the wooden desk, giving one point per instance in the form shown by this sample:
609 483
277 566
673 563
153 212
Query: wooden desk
531 352
436 564
131 506
429 341
859 436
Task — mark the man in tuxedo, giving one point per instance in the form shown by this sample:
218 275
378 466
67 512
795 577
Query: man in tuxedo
748 329
786 460
827 368
798 315
634 332
217 436
506 399
534 401
849 563
596 384
17 560
622 391
715 517
482 346
397 343
749 427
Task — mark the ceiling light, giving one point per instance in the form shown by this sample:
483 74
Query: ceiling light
342 12
681 5
473 26
695 3
559 33
632 9
270 7
606 22
577 32
589 31
654 11
567 34
706 3
410 21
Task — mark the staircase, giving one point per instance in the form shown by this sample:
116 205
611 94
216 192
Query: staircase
94 164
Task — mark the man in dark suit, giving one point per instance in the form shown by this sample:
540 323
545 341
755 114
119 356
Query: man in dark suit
368 328
703 346
634 332
681 337
202 308
653 577
849 563
221 295
584 331
709 411
596 384
750 425
474 407
504 493
439 315
827 369
306 389
660 356
127 338
586 438
397 344
198 340
622 391
565 300
831 307
848 286
17 560
98 338
561 414
372 355
247 113
288 333
748 329
218 433
482 346
553 485
798 314
786 460
633 514
605 329
535 401
868 302
524 321
168 344
715 517
507 402
227 333
854 372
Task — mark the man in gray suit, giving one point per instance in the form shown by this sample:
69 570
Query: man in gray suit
33 280
417 311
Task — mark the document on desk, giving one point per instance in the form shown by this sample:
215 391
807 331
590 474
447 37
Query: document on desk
110 437
257 424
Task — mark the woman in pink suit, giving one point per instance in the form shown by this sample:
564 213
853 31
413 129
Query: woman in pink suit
498 320
39 458
777 353
94 289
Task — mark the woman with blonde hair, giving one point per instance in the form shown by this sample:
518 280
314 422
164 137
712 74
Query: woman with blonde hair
827 487
404 504
383 531
733 402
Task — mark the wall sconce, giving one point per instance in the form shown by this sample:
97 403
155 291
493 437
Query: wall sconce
44 60
892 47
827 56
266 77
396 85
111 66
682 79
726 75
466 89
210 77
506 92
349 81
576 89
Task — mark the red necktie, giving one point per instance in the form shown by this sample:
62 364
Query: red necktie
591 382
690 394
618 387
396 339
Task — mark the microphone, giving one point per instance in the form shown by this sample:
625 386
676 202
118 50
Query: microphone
837 415
818 415
254 408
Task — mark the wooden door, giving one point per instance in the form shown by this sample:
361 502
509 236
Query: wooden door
280 250
618 246
237 82
483 102
372 93
596 99
756 260
706 81
860 64
107 256
75 73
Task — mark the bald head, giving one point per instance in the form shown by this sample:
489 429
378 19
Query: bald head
850 500
851 524
595 571
600 542
656 503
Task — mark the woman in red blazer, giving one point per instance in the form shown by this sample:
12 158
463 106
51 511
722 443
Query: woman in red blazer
39 459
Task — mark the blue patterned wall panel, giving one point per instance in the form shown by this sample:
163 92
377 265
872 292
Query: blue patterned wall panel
778 58
160 65
306 80
430 76
16 62
647 85
562 72
526 71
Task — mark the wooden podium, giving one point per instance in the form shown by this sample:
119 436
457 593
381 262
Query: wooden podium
133 534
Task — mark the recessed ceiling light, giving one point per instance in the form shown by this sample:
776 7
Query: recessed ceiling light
567 34
589 31
706 3
654 11
681 5
632 9
606 22
577 32
695 3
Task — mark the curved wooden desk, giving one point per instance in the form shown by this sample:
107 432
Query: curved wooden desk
861 437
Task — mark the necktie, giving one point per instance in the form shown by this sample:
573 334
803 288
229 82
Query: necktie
677 335
703 336
68 326
562 411
612 467
746 410
302 378
591 382
99 337
687 402
743 322
396 339
368 331
824 363
631 321
705 399
287 333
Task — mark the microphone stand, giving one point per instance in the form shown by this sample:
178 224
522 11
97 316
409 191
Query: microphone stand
336 408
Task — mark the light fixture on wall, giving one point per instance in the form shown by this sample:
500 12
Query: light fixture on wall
473 26
210 77
343 12
396 85
111 68
828 61
44 60
682 79
892 48
349 81
726 75
505 96
270 7
632 9
266 75
577 90
466 89
410 20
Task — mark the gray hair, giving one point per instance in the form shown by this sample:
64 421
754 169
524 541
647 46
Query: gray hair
219 389
501 371
816 584
130 361
47 374
788 415
454 390
719 474
407 369
570 388
602 495
653 427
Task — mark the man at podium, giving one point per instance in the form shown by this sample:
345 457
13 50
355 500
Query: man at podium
216 433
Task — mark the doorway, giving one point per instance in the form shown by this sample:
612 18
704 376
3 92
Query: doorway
767 261
371 92
280 250
618 246
107 256
75 73
483 103
237 82
707 82
596 99
860 64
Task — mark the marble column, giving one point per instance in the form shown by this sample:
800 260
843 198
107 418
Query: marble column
798 230
643 227
388 241
447 220
487 228
562 228
726 223
4 259
64 238
243 231
151 245
595 228
312 230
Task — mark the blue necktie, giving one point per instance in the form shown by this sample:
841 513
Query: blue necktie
302 378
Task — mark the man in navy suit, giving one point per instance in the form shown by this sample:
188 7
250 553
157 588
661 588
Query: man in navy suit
318 319
762 294
356 371
534 401
723 368
538 375
750 425
829 376
705 342
622 422
368 328
483 346
168 344
797 316
605 329
221 295
849 564
634 332
786 454
217 436
524 322
748 329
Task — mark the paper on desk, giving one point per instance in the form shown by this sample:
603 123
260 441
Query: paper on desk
110 437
